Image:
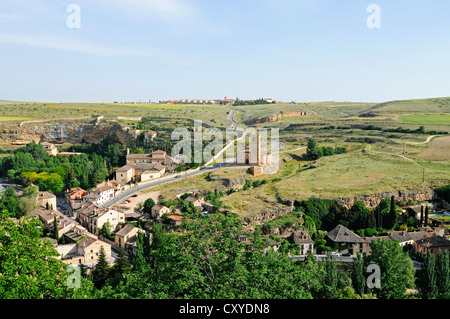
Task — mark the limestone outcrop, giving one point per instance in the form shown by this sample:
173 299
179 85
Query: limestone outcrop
68 132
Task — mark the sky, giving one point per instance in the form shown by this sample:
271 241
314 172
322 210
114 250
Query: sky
289 50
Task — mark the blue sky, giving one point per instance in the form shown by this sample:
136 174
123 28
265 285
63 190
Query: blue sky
302 50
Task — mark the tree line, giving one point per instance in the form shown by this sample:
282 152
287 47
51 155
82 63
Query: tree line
32 164
315 152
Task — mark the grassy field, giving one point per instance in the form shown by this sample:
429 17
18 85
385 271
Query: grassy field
211 114
437 119
378 169
339 176
320 110
13 119
439 150
434 105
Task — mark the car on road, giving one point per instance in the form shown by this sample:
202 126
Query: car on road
178 176
128 201
335 254
124 203
135 195
347 255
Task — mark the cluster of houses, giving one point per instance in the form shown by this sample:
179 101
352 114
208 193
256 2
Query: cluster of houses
144 167
348 243
219 101
79 236
102 193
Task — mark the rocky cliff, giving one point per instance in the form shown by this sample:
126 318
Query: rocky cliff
276 117
268 215
372 200
236 182
68 132
403 196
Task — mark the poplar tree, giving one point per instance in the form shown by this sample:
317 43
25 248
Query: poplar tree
357 275
393 213
55 228
428 285
421 215
427 210
443 271
331 277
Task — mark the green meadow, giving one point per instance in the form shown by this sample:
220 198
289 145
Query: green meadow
435 119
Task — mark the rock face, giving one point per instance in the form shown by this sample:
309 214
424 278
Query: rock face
69 132
371 201
268 215
274 118
230 183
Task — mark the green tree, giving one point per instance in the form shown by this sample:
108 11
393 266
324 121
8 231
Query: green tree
443 271
393 216
357 274
74 184
428 286
55 228
9 203
105 231
122 263
331 277
427 211
29 268
101 271
208 261
29 200
312 151
148 205
421 215
359 215
378 217
121 267
397 272
383 209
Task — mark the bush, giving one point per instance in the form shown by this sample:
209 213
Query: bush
444 192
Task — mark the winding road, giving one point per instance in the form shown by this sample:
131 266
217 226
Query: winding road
429 138
176 177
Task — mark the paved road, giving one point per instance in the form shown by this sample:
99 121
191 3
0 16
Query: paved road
166 179
342 259
234 124
174 177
